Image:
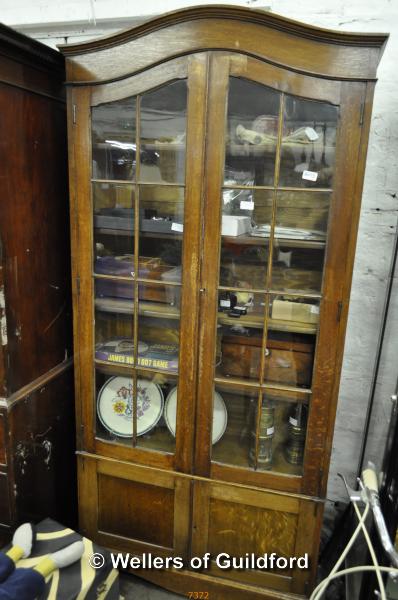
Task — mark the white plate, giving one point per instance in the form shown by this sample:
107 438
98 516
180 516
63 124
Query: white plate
115 406
220 415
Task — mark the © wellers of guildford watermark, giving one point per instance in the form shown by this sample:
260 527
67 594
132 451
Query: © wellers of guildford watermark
267 561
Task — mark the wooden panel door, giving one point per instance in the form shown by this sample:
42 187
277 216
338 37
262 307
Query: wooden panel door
232 522
132 508
136 222
277 220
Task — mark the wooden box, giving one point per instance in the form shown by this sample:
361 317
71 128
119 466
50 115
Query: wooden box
150 268
289 358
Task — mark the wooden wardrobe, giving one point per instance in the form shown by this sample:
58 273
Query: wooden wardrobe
37 473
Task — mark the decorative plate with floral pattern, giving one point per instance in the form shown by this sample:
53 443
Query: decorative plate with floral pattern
115 406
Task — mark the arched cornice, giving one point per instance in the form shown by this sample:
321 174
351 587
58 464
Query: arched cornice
264 35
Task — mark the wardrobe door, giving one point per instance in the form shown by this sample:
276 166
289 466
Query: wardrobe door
276 141
137 230
134 509
265 533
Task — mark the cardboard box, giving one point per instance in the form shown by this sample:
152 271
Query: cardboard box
235 225
295 311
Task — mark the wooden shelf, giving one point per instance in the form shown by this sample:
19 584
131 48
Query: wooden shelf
252 240
143 234
278 391
169 146
257 321
146 309
240 240
250 150
158 439
167 311
111 368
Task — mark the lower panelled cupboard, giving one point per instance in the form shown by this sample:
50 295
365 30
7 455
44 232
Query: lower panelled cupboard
145 511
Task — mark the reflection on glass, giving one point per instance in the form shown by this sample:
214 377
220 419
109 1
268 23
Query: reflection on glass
296 269
233 448
308 143
289 358
114 406
114 334
240 334
286 436
118 408
163 133
159 326
161 227
262 436
252 127
302 216
158 406
264 431
297 314
113 219
113 140
241 353
114 325
244 254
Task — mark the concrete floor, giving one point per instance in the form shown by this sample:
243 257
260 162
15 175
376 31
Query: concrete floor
134 588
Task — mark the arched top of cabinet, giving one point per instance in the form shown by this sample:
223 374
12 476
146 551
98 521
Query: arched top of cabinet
275 39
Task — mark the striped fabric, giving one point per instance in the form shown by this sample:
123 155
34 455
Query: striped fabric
79 581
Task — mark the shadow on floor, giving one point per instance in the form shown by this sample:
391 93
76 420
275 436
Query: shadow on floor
135 588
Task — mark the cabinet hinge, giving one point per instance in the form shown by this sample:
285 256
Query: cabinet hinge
362 112
339 310
319 488
74 114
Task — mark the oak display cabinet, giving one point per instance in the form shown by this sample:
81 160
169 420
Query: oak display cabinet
216 156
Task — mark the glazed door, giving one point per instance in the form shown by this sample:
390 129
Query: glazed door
137 230
270 301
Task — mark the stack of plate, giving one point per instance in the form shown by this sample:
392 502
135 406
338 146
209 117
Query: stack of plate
115 408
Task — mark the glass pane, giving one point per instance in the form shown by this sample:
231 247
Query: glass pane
251 135
244 252
296 269
114 338
114 394
159 326
295 314
281 431
234 446
240 334
302 216
289 358
113 140
113 222
161 228
163 133
308 143
158 405
118 408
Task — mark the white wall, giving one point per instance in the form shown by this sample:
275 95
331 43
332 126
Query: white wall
76 20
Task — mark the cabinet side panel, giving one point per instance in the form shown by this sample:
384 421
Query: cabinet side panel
5 516
35 241
3 452
42 446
